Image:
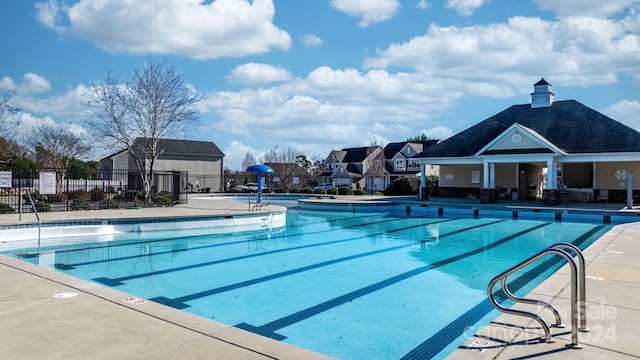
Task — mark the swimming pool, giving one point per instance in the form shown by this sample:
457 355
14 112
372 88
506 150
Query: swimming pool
349 285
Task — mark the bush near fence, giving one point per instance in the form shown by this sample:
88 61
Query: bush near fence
117 189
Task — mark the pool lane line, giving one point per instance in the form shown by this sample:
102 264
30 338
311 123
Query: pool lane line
119 281
66 266
269 329
180 302
436 343
128 242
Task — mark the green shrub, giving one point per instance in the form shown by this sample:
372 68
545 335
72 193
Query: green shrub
109 204
34 195
345 190
81 204
97 194
78 194
43 206
163 199
60 197
358 192
130 195
6 209
306 190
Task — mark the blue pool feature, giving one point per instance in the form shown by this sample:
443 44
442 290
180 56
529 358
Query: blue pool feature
349 285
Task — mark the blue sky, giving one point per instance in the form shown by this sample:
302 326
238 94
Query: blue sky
318 75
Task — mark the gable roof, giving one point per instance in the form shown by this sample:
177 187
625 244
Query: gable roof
569 125
393 148
358 154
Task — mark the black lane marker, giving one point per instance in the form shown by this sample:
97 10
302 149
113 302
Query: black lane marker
179 302
436 343
118 281
62 266
269 329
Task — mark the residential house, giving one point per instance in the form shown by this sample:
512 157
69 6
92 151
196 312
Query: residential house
359 167
401 161
202 161
547 150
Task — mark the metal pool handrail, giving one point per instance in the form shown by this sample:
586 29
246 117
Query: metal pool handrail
577 292
260 202
35 211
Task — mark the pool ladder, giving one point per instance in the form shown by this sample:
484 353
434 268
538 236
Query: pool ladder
578 293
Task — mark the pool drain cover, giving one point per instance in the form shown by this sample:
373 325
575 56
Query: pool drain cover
65 295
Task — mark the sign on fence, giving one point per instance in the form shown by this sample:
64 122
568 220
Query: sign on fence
5 178
47 183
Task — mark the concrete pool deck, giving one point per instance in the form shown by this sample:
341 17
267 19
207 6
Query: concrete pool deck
40 317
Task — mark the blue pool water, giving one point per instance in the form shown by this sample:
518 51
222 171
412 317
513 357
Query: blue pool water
349 285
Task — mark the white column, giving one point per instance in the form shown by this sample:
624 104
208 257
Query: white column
423 180
492 175
552 174
630 190
486 175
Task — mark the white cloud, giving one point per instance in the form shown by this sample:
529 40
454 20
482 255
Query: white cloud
574 51
253 73
235 152
67 105
464 7
438 132
567 8
626 112
331 109
7 84
369 11
49 14
423 4
31 84
34 84
310 40
223 28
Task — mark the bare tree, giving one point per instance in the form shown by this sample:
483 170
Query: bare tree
154 104
287 156
375 169
55 147
249 159
7 127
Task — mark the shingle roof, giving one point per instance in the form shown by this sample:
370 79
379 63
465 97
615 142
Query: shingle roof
541 82
393 148
569 125
359 154
192 147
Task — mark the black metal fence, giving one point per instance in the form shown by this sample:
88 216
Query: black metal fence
58 190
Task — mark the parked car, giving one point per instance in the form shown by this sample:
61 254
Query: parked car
323 187
250 187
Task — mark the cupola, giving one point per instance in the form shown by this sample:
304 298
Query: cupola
542 96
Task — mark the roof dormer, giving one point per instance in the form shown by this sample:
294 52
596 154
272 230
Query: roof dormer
542 96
